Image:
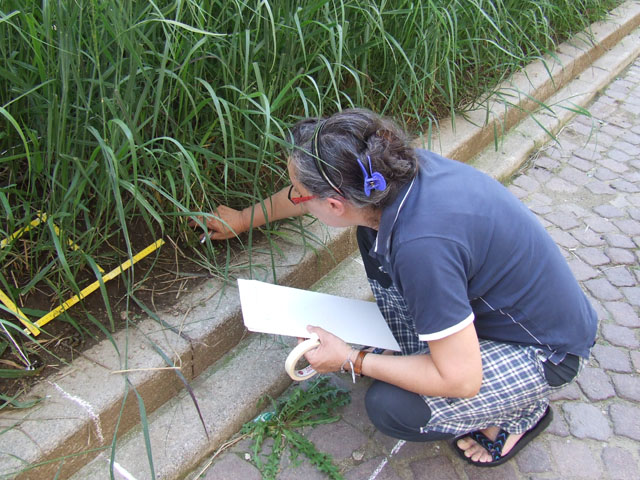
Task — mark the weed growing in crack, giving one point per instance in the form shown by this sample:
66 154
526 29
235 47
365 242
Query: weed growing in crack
315 405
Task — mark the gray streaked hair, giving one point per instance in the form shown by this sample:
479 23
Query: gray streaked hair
338 142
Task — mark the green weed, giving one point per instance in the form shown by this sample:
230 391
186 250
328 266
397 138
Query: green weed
302 408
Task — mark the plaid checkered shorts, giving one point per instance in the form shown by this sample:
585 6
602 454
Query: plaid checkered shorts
514 391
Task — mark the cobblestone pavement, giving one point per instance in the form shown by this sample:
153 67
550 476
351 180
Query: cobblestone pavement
587 193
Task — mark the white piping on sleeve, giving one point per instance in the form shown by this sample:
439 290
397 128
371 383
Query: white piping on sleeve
447 331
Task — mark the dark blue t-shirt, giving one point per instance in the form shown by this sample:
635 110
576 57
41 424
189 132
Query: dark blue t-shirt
461 248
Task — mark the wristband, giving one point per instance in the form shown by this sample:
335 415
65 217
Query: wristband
357 368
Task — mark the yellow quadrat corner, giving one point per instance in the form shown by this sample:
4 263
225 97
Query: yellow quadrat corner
32 327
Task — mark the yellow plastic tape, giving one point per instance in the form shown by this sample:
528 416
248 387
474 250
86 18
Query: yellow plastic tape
21 316
42 217
95 285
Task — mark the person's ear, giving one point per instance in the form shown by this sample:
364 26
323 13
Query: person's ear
337 206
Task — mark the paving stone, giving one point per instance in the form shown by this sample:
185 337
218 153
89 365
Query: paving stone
620 463
412 450
302 471
605 174
562 186
623 314
574 209
600 225
355 413
608 211
366 469
547 163
620 336
593 256
563 239
518 192
619 240
506 471
612 130
337 439
618 155
581 270
619 276
540 174
544 223
581 129
558 426
634 213
527 183
565 221
232 467
622 200
600 188
574 176
569 392
601 313
630 137
540 198
632 150
587 421
575 456
534 459
581 163
587 153
627 386
440 464
595 384
635 360
632 294
384 442
626 420
540 209
620 256
612 358
588 237
624 186
613 165
630 227
603 290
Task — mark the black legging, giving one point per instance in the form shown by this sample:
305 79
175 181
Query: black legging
399 413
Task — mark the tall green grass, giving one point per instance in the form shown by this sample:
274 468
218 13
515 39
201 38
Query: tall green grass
121 119
121 115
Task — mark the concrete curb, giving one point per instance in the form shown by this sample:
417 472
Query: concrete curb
83 402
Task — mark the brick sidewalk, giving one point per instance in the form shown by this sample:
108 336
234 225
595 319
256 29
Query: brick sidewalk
587 194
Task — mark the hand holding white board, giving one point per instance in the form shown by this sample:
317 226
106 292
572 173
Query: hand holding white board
282 310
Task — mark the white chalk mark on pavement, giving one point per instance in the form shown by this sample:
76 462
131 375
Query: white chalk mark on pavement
85 406
394 450
120 469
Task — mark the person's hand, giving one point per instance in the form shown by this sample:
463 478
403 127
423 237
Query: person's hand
227 223
330 354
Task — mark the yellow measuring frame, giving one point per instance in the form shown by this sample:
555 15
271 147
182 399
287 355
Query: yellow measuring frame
95 285
32 327
21 316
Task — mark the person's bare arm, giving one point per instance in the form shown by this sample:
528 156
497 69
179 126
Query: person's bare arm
453 369
227 222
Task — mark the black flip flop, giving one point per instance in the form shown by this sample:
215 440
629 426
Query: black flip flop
495 447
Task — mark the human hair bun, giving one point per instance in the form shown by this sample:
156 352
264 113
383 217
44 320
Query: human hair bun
333 151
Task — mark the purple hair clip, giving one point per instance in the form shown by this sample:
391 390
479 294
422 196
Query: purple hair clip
374 182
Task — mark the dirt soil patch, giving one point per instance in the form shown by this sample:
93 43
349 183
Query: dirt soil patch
159 282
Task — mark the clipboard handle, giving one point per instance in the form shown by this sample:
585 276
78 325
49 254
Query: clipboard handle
294 356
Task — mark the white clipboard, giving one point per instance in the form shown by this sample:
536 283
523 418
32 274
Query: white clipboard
279 310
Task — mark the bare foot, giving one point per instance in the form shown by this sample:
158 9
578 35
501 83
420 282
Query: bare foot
478 453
